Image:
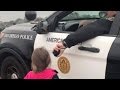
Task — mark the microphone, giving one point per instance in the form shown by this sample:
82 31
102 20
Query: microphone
56 53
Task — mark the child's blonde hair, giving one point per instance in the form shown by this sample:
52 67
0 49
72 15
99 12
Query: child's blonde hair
40 59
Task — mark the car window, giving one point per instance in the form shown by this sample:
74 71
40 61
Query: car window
72 21
76 15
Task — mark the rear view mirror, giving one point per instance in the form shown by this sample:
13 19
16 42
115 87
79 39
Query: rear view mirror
41 27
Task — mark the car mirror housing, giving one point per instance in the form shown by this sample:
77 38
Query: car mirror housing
41 27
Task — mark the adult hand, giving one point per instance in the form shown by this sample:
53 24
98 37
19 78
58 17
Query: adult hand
59 47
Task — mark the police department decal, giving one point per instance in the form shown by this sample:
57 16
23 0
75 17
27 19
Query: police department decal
63 65
19 36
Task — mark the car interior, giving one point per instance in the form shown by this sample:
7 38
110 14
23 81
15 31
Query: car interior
72 23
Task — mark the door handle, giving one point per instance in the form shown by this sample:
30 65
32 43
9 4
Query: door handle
90 49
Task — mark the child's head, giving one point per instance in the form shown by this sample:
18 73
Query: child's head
40 59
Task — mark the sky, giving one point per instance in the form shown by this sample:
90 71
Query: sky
13 15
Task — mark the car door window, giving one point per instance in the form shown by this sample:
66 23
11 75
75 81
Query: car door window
77 15
71 22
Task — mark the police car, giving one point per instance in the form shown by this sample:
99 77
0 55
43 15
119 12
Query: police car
102 62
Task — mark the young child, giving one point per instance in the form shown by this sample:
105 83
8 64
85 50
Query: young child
40 62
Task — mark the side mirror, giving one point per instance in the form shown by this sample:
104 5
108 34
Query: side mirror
41 27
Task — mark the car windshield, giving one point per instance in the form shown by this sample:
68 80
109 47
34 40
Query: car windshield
75 15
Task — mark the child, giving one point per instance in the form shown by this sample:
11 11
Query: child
40 62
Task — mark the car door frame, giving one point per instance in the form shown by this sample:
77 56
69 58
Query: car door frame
54 18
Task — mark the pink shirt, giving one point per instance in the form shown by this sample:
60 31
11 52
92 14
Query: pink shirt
46 74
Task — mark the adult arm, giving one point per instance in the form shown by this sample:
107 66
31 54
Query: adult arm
99 27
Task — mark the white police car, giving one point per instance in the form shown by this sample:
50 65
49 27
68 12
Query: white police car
102 62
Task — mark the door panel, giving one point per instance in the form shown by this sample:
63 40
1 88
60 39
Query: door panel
81 64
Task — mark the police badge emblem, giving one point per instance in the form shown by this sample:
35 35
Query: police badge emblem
63 65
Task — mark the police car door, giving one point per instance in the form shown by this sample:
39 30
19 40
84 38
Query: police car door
83 61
